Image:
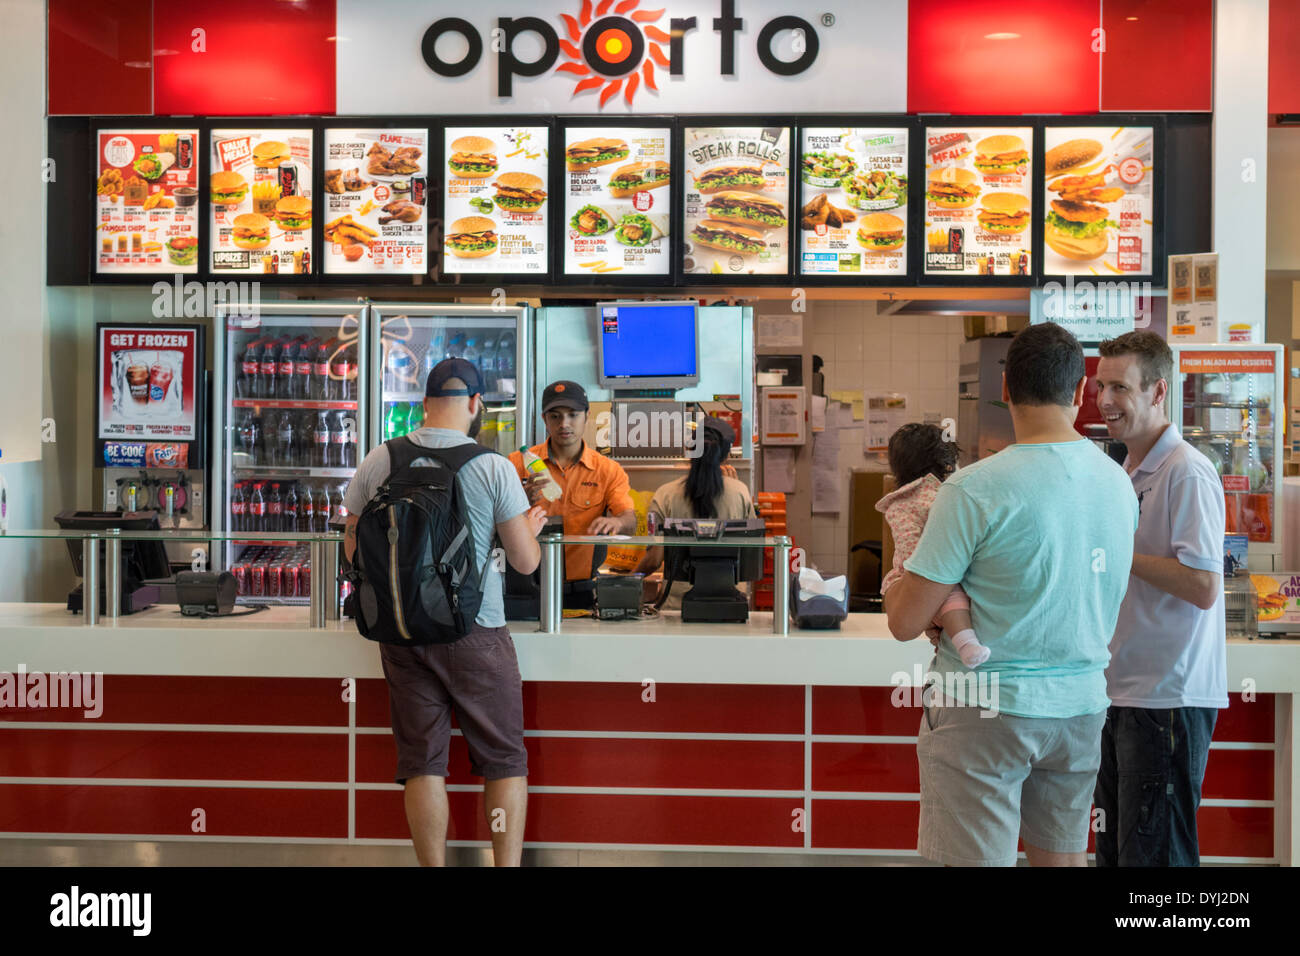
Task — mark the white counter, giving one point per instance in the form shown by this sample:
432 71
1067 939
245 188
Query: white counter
277 643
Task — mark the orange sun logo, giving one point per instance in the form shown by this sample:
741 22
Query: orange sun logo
613 52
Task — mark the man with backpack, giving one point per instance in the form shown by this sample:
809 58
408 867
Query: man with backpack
422 511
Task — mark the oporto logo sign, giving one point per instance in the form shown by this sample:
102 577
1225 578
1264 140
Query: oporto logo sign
609 48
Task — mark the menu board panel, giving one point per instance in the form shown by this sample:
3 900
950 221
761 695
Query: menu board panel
977 200
737 200
494 201
376 201
617 204
260 191
854 215
147 201
1098 184
146 383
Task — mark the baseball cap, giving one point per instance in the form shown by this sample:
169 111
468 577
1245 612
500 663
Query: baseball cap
718 430
453 368
564 395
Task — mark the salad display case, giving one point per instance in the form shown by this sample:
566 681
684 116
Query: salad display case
1229 402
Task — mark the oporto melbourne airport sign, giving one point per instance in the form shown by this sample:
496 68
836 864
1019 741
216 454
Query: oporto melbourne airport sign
622 57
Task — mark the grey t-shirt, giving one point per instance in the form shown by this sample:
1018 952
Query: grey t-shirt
490 488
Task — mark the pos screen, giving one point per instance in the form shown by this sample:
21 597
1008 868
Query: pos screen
648 344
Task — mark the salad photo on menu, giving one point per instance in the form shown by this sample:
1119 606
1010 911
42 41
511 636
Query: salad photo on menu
376 197
737 200
1098 188
147 199
854 215
495 204
617 205
977 200
260 201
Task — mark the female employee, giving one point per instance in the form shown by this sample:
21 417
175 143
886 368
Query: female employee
705 492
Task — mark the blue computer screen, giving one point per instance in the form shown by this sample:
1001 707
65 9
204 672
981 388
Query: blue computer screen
648 341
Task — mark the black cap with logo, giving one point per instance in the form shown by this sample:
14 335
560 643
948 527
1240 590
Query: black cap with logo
564 395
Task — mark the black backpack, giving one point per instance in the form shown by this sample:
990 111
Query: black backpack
415 575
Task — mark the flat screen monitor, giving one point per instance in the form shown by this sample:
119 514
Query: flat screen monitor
142 560
650 345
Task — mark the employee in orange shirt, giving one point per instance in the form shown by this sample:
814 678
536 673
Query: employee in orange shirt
596 497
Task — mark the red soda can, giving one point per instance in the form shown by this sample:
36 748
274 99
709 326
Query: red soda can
184 151
956 239
289 588
257 579
240 571
306 262
418 188
274 579
304 581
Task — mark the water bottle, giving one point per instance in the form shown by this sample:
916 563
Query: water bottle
487 360
397 370
471 352
432 356
505 360
456 347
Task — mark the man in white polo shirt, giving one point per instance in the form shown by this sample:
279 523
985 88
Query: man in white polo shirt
1167 677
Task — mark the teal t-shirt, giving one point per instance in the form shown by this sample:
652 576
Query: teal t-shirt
1041 539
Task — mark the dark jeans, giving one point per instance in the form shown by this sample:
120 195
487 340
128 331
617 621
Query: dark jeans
1149 785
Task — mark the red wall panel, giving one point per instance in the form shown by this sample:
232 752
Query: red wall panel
863 711
169 810
142 699
90 45
1246 721
1239 775
865 824
1159 55
866 768
953 66
170 755
1235 831
1283 57
258 59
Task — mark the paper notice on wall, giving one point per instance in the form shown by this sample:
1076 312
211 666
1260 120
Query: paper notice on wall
825 472
778 469
886 412
780 331
817 413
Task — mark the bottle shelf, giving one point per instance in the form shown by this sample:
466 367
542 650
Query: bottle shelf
264 471
306 404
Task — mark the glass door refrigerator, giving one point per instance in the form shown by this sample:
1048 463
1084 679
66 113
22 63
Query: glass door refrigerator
1228 401
291 420
410 339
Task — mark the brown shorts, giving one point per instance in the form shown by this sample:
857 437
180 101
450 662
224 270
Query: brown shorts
478 677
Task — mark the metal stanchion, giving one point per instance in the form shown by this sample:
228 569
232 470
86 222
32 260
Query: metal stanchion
552 585
112 575
320 586
781 586
90 580
330 552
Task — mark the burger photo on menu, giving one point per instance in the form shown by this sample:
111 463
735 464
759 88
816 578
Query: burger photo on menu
629 180
228 188
473 157
747 209
726 237
251 231
952 187
590 153
293 213
881 232
1001 154
472 237
1004 213
1098 183
521 192
270 154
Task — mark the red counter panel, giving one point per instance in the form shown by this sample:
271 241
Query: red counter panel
865 824
866 711
865 768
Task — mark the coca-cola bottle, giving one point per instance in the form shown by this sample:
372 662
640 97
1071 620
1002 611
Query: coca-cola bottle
249 437
340 512
307 510
289 514
238 507
249 370
257 509
350 448
343 371
320 455
267 368
302 364
266 428
322 388
284 381
339 429
324 508
286 445
274 509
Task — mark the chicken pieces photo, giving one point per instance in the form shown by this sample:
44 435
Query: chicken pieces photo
401 210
